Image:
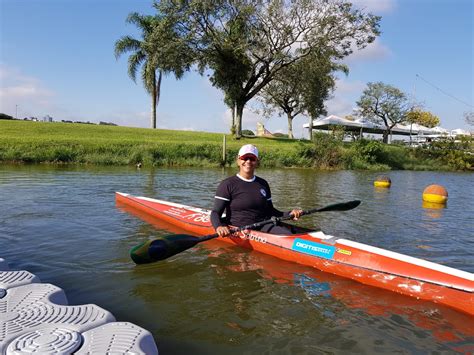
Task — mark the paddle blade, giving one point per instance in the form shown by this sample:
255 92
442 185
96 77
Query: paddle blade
162 248
344 206
349 205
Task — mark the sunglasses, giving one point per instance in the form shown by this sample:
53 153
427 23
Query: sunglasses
252 158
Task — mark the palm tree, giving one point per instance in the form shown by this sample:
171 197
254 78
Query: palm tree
142 55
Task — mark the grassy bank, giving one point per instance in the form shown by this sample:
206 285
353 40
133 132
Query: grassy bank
40 142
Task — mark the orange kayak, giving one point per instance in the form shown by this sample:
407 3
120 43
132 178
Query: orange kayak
360 262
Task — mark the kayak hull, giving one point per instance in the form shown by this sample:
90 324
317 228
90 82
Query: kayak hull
360 262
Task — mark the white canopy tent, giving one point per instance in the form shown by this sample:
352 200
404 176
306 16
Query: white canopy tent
459 132
362 125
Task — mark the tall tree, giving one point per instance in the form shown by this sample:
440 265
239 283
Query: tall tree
301 87
318 85
282 95
384 104
159 51
142 56
245 43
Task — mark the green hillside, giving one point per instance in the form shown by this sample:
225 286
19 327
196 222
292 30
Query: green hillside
74 143
34 142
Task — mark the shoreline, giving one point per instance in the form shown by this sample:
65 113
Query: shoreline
24 142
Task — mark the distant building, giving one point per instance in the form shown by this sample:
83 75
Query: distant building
47 118
262 131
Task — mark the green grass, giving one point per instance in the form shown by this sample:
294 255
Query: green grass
40 142
69 143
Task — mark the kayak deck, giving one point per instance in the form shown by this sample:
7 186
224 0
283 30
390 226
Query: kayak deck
360 262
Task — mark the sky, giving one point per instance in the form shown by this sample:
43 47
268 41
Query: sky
57 58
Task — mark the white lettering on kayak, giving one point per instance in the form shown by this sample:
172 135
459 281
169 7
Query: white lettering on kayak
178 212
184 214
198 217
257 238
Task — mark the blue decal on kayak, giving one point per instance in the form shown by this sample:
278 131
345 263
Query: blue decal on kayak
312 248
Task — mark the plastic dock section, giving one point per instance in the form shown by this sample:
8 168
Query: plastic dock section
35 318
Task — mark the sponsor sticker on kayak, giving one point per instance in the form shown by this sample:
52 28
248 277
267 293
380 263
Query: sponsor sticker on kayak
312 248
343 251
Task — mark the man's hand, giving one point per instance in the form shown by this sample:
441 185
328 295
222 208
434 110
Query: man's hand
296 213
223 231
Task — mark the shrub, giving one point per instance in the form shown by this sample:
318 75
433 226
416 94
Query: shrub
370 151
280 135
457 154
248 132
447 154
4 116
326 152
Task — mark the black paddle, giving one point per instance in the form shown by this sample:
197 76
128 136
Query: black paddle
167 246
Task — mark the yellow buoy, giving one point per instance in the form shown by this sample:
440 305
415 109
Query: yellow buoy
435 194
382 181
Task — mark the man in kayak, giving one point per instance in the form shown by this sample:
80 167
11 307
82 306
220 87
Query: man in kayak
246 198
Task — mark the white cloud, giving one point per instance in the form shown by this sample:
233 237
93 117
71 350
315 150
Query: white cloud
374 51
376 7
24 92
227 117
344 97
26 96
349 87
249 120
339 106
126 118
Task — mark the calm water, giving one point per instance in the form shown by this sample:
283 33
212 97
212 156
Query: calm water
62 224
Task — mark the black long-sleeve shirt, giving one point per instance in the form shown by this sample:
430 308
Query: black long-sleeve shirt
243 201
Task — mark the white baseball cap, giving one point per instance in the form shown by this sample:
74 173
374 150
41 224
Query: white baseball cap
248 149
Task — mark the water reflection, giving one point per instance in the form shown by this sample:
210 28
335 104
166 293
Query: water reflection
433 210
381 192
62 224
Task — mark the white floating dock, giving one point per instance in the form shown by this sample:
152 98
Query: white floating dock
36 318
